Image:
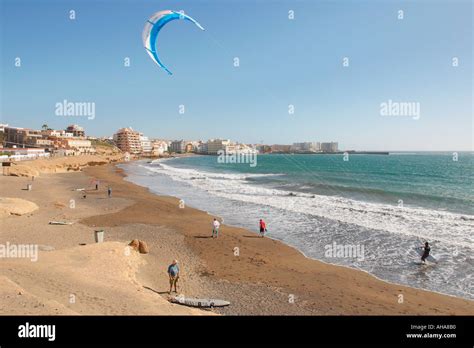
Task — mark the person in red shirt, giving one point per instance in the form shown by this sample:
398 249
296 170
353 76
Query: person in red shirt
263 228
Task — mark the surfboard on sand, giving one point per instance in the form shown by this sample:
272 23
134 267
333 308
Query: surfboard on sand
199 302
60 223
420 252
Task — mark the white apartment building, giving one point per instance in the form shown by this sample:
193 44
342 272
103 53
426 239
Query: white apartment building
146 144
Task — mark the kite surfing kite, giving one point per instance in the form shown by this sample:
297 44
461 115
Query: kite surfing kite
153 26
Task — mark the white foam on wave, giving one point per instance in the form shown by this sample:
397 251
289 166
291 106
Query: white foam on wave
193 174
455 229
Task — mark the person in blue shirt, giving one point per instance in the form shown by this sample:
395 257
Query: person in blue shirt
173 272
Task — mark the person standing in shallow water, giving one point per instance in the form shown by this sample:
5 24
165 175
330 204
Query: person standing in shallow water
426 252
263 228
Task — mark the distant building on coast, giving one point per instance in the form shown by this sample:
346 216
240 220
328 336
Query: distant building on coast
21 137
178 146
52 141
77 131
159 147
79 145
56 133
329 147
301 147
18 154
239 148
280 148
261 148
128 140
306 147
216 145
146 144
202 147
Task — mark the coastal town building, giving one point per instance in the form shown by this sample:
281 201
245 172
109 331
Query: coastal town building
19 154
159 147
195 144
146 145
76 131
78 146
42 142
21 137
239 148
261 148
281 148
128 140
216 145
306 147
178 146
329 147
49 140
56 133
202 148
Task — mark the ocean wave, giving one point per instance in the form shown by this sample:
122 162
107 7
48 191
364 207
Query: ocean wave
185 173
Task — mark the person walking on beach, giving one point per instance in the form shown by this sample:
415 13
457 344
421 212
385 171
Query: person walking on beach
97 185
263 228
173 273
215 228
109 191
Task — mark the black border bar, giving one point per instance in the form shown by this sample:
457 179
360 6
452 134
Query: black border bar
223 330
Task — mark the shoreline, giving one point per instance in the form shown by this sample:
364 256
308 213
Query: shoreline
239 222
300 251
465 306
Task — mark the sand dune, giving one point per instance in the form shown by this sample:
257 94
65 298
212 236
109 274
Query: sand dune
92 279
60 164
15 206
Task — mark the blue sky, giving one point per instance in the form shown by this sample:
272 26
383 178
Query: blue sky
282 62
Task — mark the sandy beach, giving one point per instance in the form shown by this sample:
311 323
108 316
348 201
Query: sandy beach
265 278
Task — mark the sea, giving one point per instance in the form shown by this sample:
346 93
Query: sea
367 212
